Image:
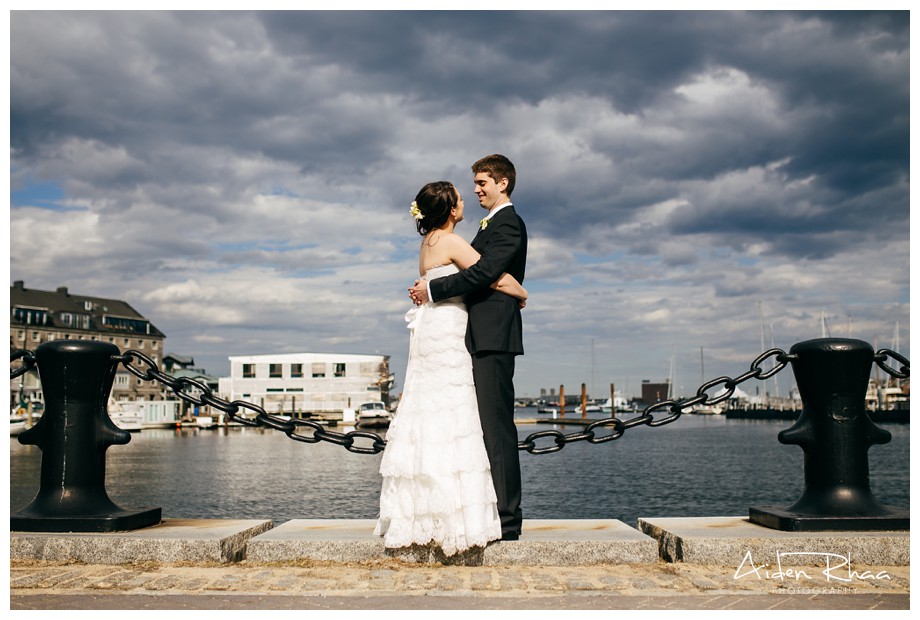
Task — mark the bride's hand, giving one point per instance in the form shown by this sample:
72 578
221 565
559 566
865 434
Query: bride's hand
522 303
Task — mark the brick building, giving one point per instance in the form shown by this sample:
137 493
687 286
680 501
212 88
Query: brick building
42 316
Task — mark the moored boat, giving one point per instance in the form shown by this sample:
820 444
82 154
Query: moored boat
373 415
125 415
706 410
22 418
205 421
18 424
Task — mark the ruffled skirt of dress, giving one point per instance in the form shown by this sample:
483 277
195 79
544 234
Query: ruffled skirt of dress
437 485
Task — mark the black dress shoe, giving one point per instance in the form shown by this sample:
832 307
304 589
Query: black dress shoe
510 535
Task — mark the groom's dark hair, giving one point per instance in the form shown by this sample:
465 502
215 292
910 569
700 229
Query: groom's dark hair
498 167
435 201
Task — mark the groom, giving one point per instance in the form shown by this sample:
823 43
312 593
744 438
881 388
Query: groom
493 334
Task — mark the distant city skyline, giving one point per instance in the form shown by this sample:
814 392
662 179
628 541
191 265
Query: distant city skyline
701 181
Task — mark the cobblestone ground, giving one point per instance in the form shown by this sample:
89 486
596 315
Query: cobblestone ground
391 584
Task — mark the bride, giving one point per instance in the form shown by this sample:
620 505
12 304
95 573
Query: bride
437 487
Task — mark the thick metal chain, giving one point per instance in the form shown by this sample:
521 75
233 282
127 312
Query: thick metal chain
249 414
290 426
674 408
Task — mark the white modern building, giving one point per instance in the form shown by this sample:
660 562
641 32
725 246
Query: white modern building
296 383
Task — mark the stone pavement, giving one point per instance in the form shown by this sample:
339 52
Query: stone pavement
680 563
397 584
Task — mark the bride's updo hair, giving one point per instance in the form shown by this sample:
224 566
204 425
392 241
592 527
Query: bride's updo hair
435 201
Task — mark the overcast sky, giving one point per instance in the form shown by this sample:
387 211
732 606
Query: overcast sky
243 179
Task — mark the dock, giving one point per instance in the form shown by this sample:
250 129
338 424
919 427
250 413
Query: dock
661 563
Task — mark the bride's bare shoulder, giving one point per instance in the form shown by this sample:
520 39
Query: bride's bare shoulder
455 239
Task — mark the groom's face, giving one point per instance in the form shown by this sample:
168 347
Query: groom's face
488 191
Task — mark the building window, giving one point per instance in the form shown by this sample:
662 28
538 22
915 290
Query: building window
122 379
249 371
29 316
296 371
80 321
127 342
339 370
138 326
319 370
154 344
274 371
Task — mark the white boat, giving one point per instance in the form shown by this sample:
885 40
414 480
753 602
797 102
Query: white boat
373 415
705 410
126 415
22 419
617 404
18 424
205 421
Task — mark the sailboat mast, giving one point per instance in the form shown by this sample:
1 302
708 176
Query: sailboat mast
593 378
702 368
671 374
773 346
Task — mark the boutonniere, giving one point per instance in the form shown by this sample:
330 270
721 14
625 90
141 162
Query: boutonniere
483 223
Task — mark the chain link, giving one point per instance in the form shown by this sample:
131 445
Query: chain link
884 354
28 362
249 414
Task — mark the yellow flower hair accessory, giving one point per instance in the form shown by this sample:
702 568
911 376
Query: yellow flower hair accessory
415 211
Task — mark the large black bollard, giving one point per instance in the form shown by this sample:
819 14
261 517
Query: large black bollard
835 433
73 433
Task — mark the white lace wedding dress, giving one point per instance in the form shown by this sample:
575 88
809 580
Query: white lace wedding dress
437 486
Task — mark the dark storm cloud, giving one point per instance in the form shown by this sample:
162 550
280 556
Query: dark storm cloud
262 83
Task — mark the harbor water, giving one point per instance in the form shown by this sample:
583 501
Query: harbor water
694 467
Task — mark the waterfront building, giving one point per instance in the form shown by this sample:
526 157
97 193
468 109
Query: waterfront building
38 316
655 392
298 383
182 366
156 413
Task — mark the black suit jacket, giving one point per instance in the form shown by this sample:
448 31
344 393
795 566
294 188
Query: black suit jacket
495 318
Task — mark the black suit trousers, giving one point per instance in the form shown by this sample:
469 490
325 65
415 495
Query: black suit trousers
493 372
